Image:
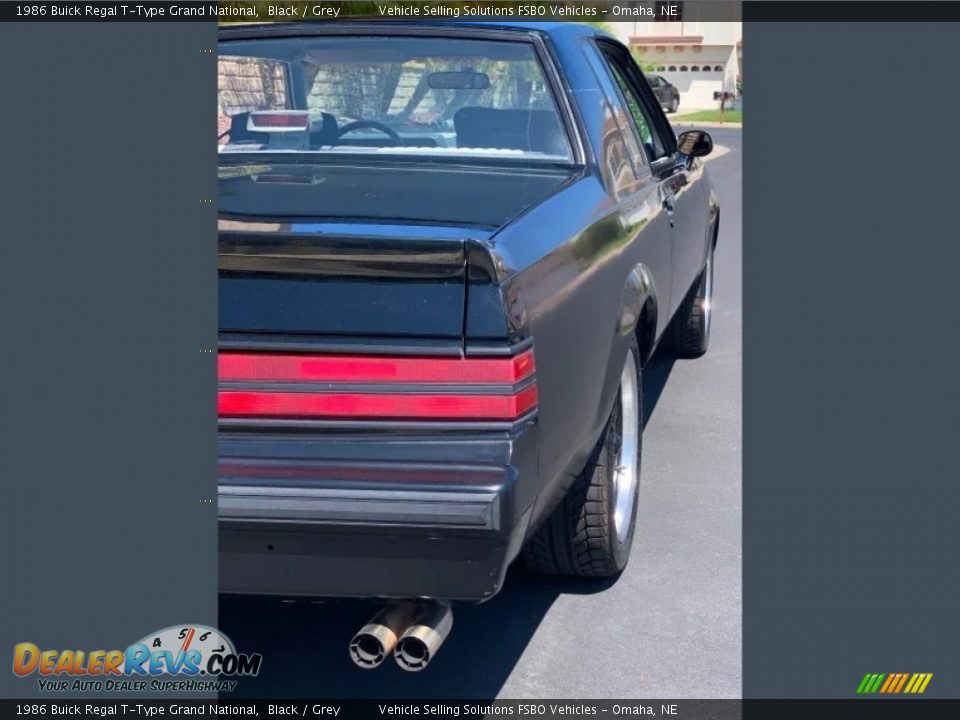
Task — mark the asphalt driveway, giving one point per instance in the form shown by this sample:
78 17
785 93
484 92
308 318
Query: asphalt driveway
668 628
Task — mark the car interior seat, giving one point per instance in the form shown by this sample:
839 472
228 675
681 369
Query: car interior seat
327 133
527 130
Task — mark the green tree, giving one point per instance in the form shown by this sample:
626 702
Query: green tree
648 66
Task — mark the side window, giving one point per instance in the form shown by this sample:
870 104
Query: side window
641 120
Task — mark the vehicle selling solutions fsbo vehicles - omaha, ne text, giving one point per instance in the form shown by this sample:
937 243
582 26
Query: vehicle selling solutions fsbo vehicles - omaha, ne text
446 252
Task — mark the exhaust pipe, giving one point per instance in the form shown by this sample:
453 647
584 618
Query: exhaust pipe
378 637
421 641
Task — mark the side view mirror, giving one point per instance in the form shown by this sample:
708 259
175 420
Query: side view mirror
695 143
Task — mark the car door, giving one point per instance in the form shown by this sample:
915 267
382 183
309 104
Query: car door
660 88
669 93
680 178
654 82
640 196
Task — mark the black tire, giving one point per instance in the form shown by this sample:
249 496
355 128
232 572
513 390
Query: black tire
689 332
674 104
580 537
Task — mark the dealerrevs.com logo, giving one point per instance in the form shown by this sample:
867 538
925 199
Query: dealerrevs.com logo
177 658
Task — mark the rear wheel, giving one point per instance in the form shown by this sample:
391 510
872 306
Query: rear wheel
591 531
689 331
674 104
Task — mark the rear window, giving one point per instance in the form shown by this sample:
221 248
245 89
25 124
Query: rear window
418 97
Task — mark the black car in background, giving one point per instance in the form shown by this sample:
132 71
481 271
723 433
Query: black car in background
667 94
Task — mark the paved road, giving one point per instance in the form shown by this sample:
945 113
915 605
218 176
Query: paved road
668 628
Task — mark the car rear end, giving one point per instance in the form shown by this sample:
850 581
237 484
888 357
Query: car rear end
377 392
374 475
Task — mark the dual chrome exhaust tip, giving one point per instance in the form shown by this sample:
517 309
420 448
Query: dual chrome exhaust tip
412 631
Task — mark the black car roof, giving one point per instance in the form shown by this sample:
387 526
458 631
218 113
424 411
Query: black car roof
565 29
545 27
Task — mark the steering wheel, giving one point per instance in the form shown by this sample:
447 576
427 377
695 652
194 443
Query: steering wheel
371 125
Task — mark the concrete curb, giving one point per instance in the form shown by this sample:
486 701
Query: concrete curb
718 152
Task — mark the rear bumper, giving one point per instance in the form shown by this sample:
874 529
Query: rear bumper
382 515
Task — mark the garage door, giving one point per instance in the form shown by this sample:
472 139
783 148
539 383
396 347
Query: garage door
696 87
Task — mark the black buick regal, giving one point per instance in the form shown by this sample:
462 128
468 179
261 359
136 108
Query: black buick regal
446 252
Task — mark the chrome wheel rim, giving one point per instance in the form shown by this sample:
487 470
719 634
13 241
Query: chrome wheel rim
627 446
707 301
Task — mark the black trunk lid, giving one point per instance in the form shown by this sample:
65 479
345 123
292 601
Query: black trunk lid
357 251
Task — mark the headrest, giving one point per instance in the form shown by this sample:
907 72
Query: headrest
528 130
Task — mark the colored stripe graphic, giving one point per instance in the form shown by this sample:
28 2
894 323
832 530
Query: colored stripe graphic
870 683
890 686
918 683
894 683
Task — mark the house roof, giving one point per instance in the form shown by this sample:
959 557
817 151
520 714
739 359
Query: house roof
667 40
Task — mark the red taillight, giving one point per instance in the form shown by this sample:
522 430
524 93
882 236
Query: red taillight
278 120
373 369
404 388
373 405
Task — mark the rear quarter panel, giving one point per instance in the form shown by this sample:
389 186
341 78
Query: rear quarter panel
569 263
573 257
